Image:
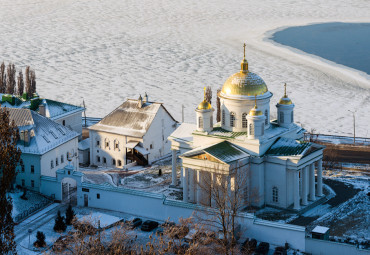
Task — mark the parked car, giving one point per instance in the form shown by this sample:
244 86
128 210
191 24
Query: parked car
262 249
149 225
280 251
135 223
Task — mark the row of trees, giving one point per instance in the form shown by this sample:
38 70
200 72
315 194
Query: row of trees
10 84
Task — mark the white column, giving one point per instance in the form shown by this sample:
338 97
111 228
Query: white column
304 185
296 190
191 186
182 174
199 190
319 178
213 183
312 182
185 190
174 177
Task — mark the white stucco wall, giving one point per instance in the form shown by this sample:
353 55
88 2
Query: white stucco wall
73 121
70 146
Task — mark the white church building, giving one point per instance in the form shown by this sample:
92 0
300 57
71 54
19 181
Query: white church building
280 167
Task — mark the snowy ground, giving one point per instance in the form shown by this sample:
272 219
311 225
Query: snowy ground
20 205
106 52
146 179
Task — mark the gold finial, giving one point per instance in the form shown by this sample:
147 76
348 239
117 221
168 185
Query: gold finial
255 101
244 63
244 49
285 90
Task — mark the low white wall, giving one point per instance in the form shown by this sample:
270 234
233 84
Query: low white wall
321 247
155 206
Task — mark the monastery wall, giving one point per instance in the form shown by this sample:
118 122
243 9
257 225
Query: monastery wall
157 207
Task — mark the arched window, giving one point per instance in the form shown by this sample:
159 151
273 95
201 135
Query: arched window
266 120
251 129
262 129
275 195
113 162
281 117
232 119
106 140
292 116
223 117
200 122
244 120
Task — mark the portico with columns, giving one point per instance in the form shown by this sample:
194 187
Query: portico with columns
280 165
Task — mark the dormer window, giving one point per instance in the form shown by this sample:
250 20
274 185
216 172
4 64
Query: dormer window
223 117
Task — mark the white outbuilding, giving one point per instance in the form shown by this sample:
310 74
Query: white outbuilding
135 132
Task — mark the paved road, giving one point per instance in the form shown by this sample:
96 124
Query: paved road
37 220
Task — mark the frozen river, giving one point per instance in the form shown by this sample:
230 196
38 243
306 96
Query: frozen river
107 51
343 43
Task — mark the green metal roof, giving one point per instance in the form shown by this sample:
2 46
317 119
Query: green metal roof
219 131
223 151
288 147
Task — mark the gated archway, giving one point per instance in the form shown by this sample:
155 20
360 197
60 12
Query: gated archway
69 191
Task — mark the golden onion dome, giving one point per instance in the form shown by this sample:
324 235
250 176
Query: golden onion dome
285 99
204 105
244 83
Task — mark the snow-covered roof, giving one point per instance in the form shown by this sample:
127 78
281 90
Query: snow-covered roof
45 134
56 110
223 151
320 230
184 132
84 144
288 147
130 119
53 109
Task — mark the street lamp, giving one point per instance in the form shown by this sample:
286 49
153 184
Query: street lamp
354 126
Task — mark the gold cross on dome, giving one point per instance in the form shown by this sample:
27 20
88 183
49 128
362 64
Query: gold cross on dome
244 48
285 89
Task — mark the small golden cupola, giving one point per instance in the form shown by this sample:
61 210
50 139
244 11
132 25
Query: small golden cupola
255 111
285 99
285 111
204 115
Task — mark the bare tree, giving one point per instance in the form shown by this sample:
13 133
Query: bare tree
28 82
9 160
228 194
33 81
20 87
218 114
209 94
2 78
10 83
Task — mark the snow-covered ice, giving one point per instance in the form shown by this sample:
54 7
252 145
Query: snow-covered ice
106 52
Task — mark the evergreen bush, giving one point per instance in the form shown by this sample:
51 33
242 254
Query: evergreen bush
59 225
40 239
70 214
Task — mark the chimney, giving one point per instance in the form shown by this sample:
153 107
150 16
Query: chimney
140 102
146 98
26 137
42 110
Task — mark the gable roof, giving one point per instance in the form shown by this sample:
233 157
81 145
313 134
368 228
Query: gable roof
45 134
288 147
223 151
130 119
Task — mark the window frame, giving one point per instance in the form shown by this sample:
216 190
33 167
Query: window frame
232 119
244 120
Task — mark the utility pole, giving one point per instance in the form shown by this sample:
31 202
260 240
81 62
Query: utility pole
182 111
354 126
